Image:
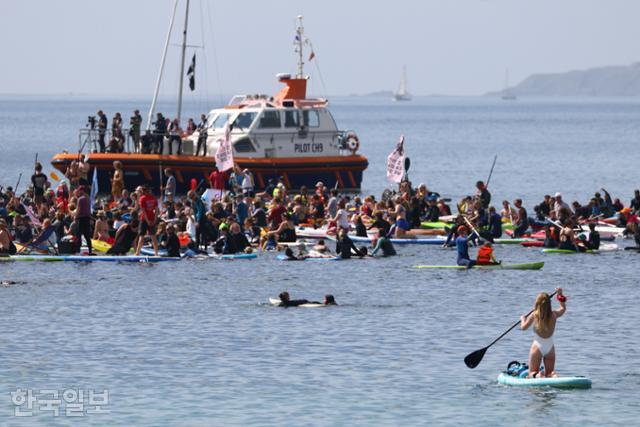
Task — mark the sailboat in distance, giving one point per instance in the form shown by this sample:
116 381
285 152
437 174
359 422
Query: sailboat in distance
402 94
507 94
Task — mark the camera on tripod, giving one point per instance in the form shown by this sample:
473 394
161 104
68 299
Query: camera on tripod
91 122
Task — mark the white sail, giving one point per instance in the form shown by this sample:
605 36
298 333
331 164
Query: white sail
402 94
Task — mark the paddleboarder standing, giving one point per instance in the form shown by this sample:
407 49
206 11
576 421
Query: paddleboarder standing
543 319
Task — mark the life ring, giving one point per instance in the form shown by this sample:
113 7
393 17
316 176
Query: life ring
352 142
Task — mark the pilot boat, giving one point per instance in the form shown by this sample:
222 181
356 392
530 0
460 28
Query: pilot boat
285 136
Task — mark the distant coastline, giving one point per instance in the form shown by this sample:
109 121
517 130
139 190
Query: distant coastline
610 81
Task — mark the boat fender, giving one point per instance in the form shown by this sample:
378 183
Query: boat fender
353 143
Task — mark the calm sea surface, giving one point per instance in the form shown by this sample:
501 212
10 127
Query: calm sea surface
194 343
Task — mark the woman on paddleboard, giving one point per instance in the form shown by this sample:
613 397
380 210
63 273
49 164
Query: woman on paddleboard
543 319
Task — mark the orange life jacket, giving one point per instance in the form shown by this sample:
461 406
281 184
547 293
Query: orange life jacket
484 255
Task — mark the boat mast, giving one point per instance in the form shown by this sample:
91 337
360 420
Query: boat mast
184 49
299 43
162 61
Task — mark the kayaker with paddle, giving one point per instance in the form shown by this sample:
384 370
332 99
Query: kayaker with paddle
543 319
462 246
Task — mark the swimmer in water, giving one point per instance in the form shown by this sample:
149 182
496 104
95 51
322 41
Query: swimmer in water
286 301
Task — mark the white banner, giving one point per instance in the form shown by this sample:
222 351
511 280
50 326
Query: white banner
395 162
224 153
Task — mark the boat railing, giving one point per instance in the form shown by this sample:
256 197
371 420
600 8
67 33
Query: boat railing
89 140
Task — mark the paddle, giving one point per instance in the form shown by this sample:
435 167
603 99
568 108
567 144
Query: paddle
491 171
15 190
473 359
472 227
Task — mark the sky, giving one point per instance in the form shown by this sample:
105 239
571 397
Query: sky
450 47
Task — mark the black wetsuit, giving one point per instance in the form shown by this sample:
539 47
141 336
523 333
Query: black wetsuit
345 246
295 303
594 240
124 242
173 246
361 230
288 235
382 224
236 243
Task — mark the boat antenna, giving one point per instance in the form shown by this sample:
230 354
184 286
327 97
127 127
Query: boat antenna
299 47
162 61
184 50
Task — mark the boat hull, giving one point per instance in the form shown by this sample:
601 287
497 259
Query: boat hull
345 172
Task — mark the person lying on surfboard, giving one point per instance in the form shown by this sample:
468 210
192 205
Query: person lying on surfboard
543 319
286 301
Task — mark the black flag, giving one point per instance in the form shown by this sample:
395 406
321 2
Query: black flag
191 73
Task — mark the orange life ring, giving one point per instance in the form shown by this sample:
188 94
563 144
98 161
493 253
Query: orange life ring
352 142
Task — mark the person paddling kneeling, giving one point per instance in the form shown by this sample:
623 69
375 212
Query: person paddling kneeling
543 320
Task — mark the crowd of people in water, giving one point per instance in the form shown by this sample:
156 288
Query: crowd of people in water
165 133
229 215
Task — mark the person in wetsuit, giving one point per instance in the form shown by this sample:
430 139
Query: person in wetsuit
125 237
594 237
286 301
383 243
345 247
172 243
462 247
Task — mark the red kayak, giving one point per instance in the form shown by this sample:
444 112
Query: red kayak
532 243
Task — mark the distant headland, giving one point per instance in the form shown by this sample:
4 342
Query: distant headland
619 80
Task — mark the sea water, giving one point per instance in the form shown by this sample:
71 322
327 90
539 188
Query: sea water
195 342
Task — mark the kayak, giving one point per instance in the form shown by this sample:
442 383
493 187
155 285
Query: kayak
533 243
559 382
604 247
526 266
514 241
276 302
283 257
86 258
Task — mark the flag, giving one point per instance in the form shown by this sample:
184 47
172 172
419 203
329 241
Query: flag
313 55
191 73
395 162
224 153
34 219
94 188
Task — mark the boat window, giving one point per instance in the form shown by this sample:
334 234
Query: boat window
270 119
243 145
221 120
311 118
244 120
291 119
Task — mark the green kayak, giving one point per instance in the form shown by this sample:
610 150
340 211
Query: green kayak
527 266
566 251
435 225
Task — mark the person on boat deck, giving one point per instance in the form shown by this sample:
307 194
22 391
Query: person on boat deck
485 255
159 132
202 135
135 123
102 129
543 320
175 133
148 143
594 237
462 247
483 194
345 247
383 243
522 220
